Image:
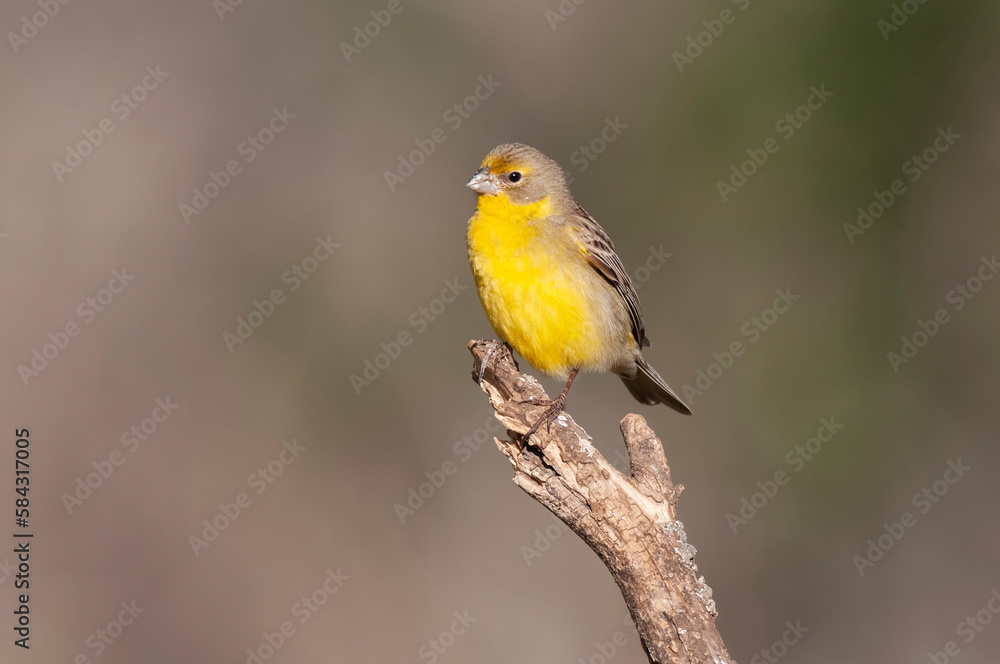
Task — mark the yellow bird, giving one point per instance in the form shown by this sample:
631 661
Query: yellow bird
550 281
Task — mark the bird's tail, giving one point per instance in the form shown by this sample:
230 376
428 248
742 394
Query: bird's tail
649 388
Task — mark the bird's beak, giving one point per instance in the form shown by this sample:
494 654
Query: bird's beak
482 183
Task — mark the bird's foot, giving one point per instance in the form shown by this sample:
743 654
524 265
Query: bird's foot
552 412
504 348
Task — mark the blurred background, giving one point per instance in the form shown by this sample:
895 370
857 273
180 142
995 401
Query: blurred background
237 301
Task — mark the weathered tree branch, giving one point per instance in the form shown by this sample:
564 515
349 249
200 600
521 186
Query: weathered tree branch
630 522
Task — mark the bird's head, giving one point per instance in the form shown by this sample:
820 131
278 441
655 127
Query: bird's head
520 173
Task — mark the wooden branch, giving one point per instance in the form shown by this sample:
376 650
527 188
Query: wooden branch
630 522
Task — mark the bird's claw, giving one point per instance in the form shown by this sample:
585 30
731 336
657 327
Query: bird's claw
494 345
552 412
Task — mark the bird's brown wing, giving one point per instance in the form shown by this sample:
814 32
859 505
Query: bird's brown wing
601 254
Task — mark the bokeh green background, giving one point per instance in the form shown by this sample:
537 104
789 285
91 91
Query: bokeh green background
654 186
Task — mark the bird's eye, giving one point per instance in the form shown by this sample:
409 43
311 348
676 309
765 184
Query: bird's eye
514 176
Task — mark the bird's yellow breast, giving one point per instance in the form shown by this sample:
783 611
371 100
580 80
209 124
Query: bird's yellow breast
531 276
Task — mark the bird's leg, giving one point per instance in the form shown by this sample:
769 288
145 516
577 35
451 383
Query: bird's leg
558 405
486 358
